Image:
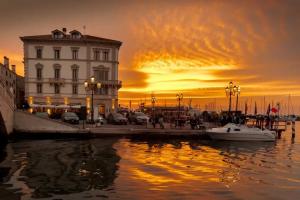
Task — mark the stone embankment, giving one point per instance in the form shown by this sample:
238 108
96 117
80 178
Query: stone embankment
28 125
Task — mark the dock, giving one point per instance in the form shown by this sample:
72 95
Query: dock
130 131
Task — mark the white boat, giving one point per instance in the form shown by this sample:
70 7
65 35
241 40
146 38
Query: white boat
235 132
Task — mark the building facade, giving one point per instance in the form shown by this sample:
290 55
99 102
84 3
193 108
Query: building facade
8 77
58 64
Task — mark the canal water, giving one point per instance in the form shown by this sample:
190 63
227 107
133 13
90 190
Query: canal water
152 169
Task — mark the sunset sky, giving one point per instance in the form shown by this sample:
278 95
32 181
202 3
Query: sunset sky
192 47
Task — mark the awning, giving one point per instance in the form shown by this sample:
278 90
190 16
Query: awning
41 106
54 106
76 106
62 106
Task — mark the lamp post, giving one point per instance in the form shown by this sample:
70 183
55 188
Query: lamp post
230 92
237 91
153 100
92 85
179 97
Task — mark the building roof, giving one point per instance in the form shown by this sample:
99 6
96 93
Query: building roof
56 30
68 38
74 31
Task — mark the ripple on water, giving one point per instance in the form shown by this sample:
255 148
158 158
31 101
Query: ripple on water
153 169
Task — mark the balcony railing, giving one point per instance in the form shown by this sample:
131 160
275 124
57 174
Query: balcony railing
60 81
112 83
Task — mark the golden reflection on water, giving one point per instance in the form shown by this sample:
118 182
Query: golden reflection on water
152 169
179 164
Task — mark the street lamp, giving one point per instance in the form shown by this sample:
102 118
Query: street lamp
153 100
230 91
179 97
237 90
92 86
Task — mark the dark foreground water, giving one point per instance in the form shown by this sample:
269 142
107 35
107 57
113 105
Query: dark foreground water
169 169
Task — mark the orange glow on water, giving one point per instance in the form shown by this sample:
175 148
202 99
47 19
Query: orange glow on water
162 167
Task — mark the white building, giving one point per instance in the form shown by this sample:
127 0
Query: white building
58 64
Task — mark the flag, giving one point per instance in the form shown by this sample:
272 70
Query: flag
274 110
255 109
246 108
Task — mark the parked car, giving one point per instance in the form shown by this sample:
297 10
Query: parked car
139 118
116 118
98 119
70 117
42 114
55 115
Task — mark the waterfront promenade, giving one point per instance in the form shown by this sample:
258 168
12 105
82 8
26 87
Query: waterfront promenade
108 130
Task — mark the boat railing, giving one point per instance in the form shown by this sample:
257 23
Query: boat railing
276 125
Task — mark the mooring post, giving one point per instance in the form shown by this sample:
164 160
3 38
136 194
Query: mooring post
278 133
293 129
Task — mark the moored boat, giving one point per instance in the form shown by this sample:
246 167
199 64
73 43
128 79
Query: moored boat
235 132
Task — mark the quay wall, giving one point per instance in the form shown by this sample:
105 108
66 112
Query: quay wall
26 122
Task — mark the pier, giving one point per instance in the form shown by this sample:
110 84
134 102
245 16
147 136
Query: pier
29 126
123 131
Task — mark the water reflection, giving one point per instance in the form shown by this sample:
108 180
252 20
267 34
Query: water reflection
161 163
151 169
3 170
63 167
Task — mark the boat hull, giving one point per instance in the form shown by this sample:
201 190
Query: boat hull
242 137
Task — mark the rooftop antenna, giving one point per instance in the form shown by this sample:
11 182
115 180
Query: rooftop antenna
84 30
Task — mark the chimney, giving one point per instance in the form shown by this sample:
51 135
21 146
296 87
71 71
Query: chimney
13 68
64 30
6 62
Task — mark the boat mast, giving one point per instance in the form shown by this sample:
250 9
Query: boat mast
289 105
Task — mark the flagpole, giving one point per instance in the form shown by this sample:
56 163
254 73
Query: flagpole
264 104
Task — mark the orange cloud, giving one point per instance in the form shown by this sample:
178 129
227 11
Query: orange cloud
195 47
205 46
